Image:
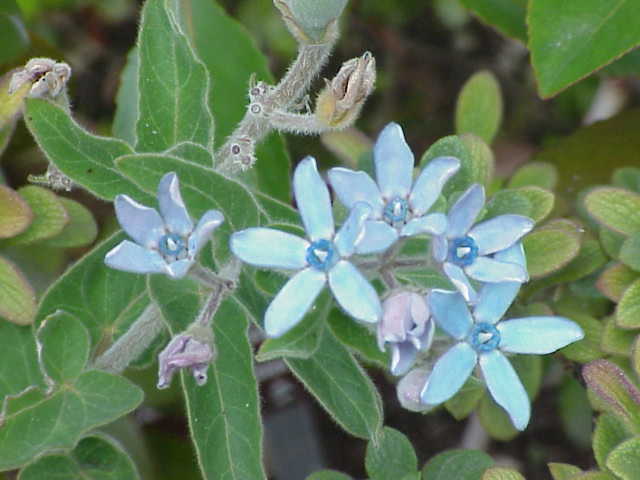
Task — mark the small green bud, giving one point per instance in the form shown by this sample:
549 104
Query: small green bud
311 21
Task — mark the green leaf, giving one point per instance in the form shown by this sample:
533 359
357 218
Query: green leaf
95 457
624 460
627 177
465 401
66 346
19 368
80 231
611 241
49 215
588 348
551 247
302 340
390 456
615 340
224 416
628 310
192 152
541 202
15 213
458 464
499 473
328 475
17 298
230 68
81 292
614 280
630 252
635 356
340 385
507 16
575 412
482 158
610 431
453 146
615 208
127 99
479 106
13 37
172 85
85 158
508 201
563 471
424 277
535 174
357 337
202 189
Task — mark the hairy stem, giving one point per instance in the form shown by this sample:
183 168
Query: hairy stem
214 300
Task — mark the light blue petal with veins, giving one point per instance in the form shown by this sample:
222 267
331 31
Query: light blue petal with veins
142 224
314 203
514 254
450 312
494 300
460 281
266 247
293 301
352 187
179 268
394 162
500 232
465 211
485 269
538 335
377 237
505 387
429 183
354 293
352 229
403 356
172 208
131 257
211 220
433 224
439 248
449 374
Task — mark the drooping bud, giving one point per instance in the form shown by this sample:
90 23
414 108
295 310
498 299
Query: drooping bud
340 102
311 21
406 325
47 77
409 388
192 349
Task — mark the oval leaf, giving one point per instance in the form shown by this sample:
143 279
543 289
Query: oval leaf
15 213
479 106
615 208
550 248
49 215
390 456
628 310
80 231
17 298
614 280
458 464
624 460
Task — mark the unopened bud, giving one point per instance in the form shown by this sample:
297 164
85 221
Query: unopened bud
341 100
311 21
409 388
47 77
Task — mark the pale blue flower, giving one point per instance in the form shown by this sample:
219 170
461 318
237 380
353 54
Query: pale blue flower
482 339
165 242
320 259
468 250
399 205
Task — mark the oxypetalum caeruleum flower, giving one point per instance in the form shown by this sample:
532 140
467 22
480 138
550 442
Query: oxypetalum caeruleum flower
407 326
399 205
163 244
320 259
483 339
466 249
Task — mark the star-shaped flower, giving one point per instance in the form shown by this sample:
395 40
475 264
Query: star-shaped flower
321 259
483 340
166 243
407 326
470 250
399 205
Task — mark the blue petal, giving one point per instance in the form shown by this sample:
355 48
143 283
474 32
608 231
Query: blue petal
142 224
352 229
505 387
266 247
450 312
312 197
460 281
207 224
429 184
433 224
465 211
439 248
377 237
494 300
172 207
449 374
352 187
394 162
500 232
131 257
293 301
403 356
179 268
354 293
538 335
485 269
513 254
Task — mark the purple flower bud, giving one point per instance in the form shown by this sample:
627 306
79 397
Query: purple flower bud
406 325
409 388
192 349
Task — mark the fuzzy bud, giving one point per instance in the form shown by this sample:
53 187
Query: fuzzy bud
311 21
409 389
47 77
340 102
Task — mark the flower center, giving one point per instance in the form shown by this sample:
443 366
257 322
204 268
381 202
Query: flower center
463 251
396 211
171 245
321 255
484 337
